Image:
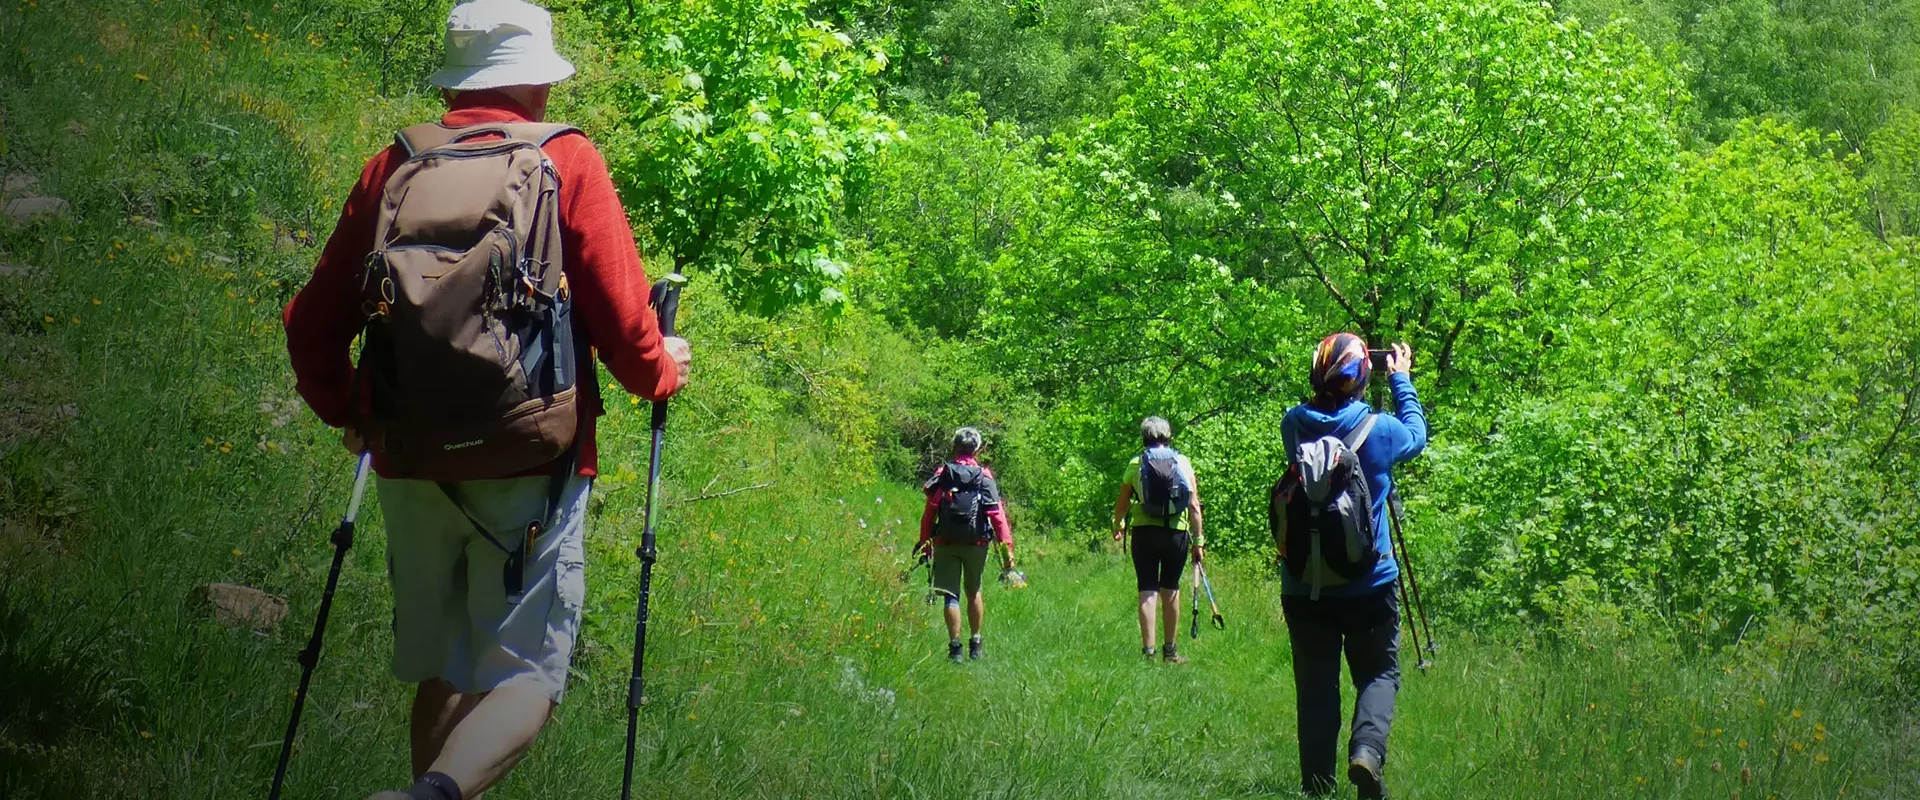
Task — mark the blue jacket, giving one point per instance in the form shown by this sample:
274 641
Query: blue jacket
1394 439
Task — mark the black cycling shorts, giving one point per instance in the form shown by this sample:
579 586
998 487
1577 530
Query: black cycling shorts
1159 556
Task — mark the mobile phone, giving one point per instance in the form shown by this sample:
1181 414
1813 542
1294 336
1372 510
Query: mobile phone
1379 358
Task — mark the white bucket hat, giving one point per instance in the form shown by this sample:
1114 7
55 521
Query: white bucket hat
495 43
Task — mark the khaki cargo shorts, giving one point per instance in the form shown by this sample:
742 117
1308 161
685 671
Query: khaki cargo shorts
453 618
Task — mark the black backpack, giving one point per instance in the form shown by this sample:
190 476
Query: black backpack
964 496
1164 493
1321 512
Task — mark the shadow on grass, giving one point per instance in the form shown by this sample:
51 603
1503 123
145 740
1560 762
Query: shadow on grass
60 682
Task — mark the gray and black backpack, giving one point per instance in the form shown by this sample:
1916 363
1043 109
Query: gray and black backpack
965 491
1164 493
1321 512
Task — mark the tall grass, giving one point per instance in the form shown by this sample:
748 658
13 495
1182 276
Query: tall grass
153 444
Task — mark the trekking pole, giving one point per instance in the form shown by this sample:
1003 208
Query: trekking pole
665 300
1411 588
1193 597
1219 622
310 657
1419 599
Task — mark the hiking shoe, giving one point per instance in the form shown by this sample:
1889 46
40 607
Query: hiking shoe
1363 769
1170 655
953 651
976 650
1148 652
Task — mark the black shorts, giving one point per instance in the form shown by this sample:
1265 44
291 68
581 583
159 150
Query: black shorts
1159 556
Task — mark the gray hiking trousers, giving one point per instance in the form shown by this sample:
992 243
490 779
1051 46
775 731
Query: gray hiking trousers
1367 629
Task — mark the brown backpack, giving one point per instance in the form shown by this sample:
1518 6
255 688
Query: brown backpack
468 354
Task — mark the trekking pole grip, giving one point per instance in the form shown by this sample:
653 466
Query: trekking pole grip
665 299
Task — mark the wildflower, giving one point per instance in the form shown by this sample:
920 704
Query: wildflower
207 441
1819 758
1743 744
48 319
146 734
140 77
1679 762
690 717
96 301
1796 713
237 553
1718 731
226 447
1819 727
1797 747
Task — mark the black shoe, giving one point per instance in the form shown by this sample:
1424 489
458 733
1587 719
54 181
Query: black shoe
1170 655
1363 769
976 650
953 651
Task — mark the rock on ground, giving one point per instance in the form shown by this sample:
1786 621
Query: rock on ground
234 604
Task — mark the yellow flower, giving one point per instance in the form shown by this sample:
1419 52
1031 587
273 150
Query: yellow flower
236 552
47 319
96 301
1796 713
1819 736
690 717
207 441
146 734
140 77
1679 762
226 447
1797 747
1819 727
1743 744
1819 758
1718 731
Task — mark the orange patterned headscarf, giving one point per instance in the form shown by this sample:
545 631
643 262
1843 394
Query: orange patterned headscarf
1340 367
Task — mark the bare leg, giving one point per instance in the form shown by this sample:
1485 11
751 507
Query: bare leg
493 737
437 708
1170 609
953 620
976 612
1148 602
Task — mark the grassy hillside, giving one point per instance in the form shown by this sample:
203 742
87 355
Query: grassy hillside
150 443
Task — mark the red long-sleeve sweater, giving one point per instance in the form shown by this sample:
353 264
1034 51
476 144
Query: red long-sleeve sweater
996 512
602 264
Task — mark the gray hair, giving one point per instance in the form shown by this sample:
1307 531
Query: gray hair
966 441
1155 431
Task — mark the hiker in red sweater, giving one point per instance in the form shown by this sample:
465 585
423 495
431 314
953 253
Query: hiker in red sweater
487 572
962 519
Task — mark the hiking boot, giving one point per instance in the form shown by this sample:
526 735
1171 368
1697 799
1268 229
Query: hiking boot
976 650
953 651
1170 655
1363 769
1148 652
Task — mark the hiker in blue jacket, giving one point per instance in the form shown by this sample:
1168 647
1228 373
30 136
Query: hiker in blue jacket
1360 617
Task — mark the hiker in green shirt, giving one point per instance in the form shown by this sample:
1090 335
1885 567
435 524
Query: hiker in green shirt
1160 504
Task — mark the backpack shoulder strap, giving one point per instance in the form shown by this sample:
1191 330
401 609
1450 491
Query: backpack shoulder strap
1358 437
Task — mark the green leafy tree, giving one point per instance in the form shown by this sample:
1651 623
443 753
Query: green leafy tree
735 128
1462 175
